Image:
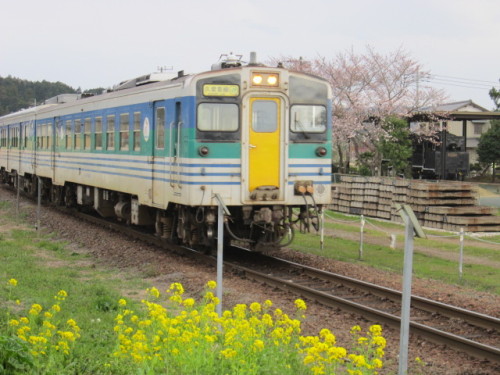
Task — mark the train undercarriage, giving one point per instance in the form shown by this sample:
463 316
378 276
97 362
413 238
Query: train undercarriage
258 228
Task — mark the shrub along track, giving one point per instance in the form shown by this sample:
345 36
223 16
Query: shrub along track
112 249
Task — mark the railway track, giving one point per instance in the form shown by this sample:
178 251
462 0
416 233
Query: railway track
346 293
359 296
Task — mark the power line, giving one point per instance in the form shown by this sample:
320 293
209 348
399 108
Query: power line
460 82
464 79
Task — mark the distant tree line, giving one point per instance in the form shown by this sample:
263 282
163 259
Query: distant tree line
16 93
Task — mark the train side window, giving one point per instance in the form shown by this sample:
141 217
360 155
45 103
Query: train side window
49 135
67 141
98 133
217 117
77 135
39 136
25 135
110 132
160 128
43 143
124 131
87 129
137 131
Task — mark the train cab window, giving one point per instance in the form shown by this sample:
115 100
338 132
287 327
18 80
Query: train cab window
67 141
160 128
221 117
124 131
77 142
137 131
308 119
87 131
98 133
110 132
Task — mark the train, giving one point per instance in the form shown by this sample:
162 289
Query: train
163 150
443 157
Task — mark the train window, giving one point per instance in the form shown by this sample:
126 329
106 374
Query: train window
87 129
124 131
49 135
264 116
160 128
308 119
77 138
45 136
98 133
217 117
137 131
68 135
25 136
110 132
39 137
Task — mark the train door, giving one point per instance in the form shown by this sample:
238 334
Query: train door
175 141
265 153
159 163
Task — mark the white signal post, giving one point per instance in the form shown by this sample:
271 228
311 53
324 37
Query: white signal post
411 226
222 211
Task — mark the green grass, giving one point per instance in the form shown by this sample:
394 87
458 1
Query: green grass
479 277
42 267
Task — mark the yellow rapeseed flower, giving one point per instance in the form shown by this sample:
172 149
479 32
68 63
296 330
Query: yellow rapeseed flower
300 304
376 330
13 282
13 322
154 292
122 302
61 295
35 309
211 284
255 307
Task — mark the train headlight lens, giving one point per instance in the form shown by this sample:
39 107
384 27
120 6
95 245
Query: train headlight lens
203 151
321 151
265 79
257 79
272 80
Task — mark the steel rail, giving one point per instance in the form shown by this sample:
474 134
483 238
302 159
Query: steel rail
471 347
472 317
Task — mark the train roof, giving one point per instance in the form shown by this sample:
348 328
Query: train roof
145 83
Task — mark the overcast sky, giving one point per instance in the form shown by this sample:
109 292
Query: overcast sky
98 43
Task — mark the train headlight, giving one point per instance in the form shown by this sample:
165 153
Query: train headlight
257 79
321 151
203 151
265 79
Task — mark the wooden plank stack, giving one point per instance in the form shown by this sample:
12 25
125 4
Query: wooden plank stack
445 205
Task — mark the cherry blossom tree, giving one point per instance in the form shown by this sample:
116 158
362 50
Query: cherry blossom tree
367 88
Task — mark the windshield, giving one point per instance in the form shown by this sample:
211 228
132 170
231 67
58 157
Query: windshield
308 119
217 117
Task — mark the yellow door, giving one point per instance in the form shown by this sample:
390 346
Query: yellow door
264 153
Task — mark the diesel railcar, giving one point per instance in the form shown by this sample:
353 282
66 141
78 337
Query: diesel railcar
155 150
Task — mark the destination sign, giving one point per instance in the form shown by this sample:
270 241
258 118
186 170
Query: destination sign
221 90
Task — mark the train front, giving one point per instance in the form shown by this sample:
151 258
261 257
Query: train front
269 132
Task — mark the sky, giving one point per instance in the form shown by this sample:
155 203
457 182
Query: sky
99 43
